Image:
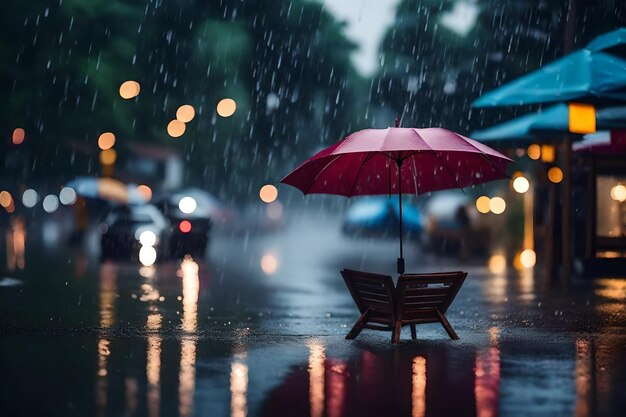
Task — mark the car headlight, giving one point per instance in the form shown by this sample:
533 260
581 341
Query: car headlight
148 238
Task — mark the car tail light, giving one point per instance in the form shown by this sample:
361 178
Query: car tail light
185 226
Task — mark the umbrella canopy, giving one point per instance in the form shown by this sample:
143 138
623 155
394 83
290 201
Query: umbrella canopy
582 75
612 42
107 189
612 143
398 161
365 163
545 124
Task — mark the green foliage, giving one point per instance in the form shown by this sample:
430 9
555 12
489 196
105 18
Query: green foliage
74 55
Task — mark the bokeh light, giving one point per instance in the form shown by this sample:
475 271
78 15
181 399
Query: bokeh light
226 107
30 198
497 205
548 153
147 238
67 196
269 263
185 226
176 128
534 151
147 255
482 204
106 141
268 193
50 203
555 175
187 205
18 136
497 264
145 192
5 199
521 185
185 113
275 210
618 193
582 118
528 258
108 157
129 89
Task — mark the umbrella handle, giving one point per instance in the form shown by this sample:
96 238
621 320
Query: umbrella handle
400 266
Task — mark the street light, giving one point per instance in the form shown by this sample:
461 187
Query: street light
521 184
226 107
129 89
555 174
268 193
176 128
185 113
497 205
482 204
618 193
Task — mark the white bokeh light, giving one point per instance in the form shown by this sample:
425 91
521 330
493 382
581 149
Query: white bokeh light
67 196
147 238
187 205
30 198
51 203
147 255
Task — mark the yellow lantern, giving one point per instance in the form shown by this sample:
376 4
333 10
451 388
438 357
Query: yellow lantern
582 118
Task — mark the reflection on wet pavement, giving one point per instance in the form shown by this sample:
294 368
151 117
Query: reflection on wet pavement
257 329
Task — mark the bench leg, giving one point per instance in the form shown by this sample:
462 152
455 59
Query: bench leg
446 325
395 333
413 332
358 326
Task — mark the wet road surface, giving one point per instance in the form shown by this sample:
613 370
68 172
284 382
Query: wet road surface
257 329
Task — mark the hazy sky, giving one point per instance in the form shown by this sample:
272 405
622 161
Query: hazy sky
367 22
369 19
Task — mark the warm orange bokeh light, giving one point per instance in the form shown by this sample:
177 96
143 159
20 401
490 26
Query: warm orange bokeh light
582 118
129 89
482 204
226 107
534 151
5 199
108 157
145 191
497 264
555 175
176 128
618 193
185 113
19 135
548 153
268 193
269 263
106 141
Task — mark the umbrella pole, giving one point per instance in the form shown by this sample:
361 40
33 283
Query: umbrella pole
401 258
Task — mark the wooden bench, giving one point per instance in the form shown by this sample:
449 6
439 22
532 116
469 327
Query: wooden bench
418 298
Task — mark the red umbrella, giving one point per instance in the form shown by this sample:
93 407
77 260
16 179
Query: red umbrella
398 161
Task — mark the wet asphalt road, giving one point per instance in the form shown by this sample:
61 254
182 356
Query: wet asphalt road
257 328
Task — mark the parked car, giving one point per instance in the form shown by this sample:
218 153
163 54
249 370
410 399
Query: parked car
379 216
191 213
126 229
451 227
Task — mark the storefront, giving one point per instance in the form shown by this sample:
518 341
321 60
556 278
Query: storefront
599 180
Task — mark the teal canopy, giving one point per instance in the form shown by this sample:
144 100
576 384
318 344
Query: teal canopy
581 75
612 42
546 125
